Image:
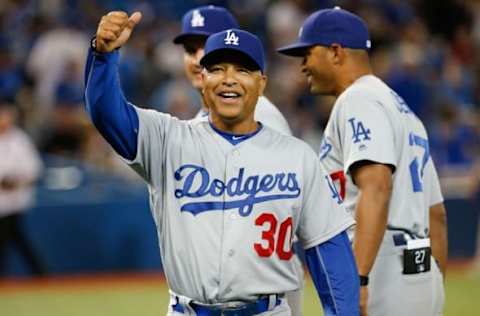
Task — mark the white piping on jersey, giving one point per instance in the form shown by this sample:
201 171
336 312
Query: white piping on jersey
328 280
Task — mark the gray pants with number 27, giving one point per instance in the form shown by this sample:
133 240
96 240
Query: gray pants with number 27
393 293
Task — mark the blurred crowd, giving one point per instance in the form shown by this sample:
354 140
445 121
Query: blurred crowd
426 50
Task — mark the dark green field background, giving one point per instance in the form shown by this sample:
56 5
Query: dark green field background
147 296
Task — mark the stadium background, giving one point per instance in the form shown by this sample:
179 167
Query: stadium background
90 223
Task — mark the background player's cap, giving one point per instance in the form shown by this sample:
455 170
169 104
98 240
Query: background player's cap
205 21
223 44
329 26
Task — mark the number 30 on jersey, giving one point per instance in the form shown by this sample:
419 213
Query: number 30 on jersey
279 242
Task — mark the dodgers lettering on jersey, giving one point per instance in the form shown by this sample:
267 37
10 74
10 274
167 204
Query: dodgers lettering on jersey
226 214
247 190
369 121
325 148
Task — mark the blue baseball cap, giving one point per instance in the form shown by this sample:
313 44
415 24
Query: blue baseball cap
234 40
205 21
329 26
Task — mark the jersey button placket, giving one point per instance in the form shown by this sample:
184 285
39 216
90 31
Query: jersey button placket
230 217
235 160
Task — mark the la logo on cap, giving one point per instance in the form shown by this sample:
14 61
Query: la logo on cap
197 19
231 38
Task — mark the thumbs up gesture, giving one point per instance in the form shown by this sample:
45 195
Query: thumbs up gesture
115 29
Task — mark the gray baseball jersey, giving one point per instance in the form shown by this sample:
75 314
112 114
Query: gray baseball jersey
267 113
226 214
369 121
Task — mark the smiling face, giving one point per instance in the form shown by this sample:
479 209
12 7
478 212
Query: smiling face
319 67
231 90
193 52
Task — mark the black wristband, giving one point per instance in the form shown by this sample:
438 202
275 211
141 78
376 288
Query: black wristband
363 280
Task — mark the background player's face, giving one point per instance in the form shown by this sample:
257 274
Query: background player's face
193 52
318 66
7 118
231 91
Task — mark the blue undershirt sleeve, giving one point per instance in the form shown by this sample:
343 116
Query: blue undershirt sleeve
334 273
112 115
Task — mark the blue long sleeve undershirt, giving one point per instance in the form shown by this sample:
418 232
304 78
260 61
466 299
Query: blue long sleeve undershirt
114 117
334 273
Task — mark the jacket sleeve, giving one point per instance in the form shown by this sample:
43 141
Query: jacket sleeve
334 273
114 117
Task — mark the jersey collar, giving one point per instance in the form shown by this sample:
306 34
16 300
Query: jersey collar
235 139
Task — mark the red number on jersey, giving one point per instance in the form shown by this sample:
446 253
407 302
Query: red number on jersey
268 235
286 230
340 177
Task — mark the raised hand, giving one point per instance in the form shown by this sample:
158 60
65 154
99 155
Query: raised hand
115 29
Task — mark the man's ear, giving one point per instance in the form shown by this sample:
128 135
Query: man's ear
262 84
204 98
203 75
338 54
202 91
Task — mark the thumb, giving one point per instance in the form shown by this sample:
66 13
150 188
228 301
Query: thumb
134 19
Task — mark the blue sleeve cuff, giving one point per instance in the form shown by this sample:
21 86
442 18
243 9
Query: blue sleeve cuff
334 273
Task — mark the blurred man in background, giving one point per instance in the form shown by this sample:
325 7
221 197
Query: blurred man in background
20 166
376 150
